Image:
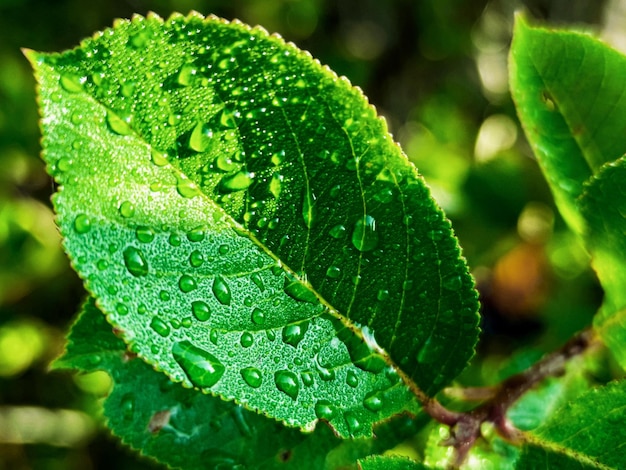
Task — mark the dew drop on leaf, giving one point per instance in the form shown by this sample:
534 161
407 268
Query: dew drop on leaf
353 423
225 163
82 224
200 138
333 272
351 379
72 83
135 262
174 239
246 339
196 259
287 382
373 402
200 310
121 308
307 378
252 376
187 283
364 236
118 123
258 281
158 158
294 333
309 209
237 182
187 75
213 336
221 291
324 410
127 406
127 209
160 327
298 291
338 231
202 367
144 234
258 316
227 119
196 235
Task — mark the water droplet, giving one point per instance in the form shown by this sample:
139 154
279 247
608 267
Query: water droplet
127 405
324 410
200 310
309 209
383 294
82 223
158 158
144 234
135 262
127 209
187 75
223 249
202 367
352 379
227 118
276 184
307 378
430 351
102 264
354 426
221 290
278 157
246 340
187 283
160 327
258 316
252 376
333 272
187 188
174 239
373 402
196 235
364 236
225 163
338 231
119 123
452 282
164 295
271 335
298 291
287 382
139 40
201 138
72 83
258 281
213 337
237 182
294 333
196 259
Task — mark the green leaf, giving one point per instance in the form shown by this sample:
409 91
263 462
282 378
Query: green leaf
603 205
586 433
246 222
182 427
391 462
570 96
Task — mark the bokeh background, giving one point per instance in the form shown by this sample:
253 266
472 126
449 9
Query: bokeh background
436 69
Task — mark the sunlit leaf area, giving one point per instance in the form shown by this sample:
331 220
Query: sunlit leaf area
437 71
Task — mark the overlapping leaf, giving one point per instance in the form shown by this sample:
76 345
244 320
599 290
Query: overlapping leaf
585 434
603 205
245 221
184 428
570 96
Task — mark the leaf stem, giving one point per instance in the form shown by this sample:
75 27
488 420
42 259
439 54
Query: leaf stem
465 426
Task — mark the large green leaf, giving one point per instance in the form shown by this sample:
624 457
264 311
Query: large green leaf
587 433
571 99
182 427
246 222
603 205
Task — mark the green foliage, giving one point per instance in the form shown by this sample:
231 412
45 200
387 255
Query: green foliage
243 220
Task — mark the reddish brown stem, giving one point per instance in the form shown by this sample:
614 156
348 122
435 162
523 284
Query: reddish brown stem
465 426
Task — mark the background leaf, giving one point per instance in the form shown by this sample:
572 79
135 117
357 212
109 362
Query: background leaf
244 239
603 205
586 433
381 462
185 428
570 122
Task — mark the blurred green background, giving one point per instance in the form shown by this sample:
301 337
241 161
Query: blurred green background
436 69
